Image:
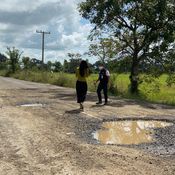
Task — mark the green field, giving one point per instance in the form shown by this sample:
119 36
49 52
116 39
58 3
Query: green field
118 86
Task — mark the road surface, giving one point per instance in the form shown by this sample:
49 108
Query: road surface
55 138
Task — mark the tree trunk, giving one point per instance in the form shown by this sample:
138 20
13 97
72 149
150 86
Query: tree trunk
134 76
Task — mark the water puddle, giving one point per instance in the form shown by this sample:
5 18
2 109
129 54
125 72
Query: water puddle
32 105
128 132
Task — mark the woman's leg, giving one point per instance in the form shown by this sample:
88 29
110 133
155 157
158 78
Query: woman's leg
84 91
78 89
81 88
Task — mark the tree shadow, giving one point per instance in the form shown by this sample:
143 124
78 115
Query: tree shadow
70 95
66 96
97 106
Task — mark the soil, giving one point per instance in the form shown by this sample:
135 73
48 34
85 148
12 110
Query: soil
55 138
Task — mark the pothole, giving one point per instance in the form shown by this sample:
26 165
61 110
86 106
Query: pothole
129 132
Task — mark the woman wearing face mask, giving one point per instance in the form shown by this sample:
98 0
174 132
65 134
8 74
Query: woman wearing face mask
82 73
103 80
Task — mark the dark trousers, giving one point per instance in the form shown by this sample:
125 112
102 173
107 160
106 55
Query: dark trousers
81 88
104 87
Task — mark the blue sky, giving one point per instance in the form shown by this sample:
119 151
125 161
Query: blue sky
19 20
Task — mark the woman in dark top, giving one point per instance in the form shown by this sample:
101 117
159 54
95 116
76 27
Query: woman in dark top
82 73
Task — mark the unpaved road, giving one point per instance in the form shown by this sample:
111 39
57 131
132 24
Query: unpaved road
56 139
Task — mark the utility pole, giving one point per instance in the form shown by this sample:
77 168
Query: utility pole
43 33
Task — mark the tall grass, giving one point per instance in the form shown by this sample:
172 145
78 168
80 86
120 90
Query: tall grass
156 91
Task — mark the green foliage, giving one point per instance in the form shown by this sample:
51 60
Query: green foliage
66 66
36 64
49 66
151 89
104 50
170 80
14 56
150 85
26 62
71 65
65 80
57 66
120 66
143 30
113 89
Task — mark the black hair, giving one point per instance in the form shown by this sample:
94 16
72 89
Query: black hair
83 68
101 64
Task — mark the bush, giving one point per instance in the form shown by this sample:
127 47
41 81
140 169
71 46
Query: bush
170 80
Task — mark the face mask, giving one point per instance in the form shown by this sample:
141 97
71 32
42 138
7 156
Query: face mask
100 67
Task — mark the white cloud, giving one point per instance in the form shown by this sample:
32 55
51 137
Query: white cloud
19 20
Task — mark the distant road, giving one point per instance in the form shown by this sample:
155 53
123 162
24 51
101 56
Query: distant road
11 83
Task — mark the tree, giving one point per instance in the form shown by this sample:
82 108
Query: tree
142 29
49 66
169 66
58 66
14 57
120 66
71 65
104 49
66 66
35 63
26 62
75 56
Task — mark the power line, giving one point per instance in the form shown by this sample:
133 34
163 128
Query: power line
43 33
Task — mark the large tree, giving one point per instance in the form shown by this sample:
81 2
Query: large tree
142 28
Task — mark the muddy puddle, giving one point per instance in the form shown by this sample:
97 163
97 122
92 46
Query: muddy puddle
128 132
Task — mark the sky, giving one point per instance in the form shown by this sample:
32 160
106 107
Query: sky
19 20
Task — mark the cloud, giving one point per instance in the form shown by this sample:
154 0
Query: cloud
19 19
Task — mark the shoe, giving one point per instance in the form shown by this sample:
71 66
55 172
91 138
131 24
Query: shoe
81 107
99 103
106 103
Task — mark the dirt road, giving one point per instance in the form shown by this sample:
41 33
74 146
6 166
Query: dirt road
55 139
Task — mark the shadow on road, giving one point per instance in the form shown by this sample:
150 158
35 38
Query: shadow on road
68 95
75 111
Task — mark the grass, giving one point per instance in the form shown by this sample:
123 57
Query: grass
118 86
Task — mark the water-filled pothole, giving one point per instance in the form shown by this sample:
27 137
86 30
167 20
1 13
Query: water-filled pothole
128 132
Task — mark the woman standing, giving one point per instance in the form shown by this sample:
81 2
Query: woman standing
82 73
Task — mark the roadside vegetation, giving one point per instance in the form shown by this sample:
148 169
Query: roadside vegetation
156 91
